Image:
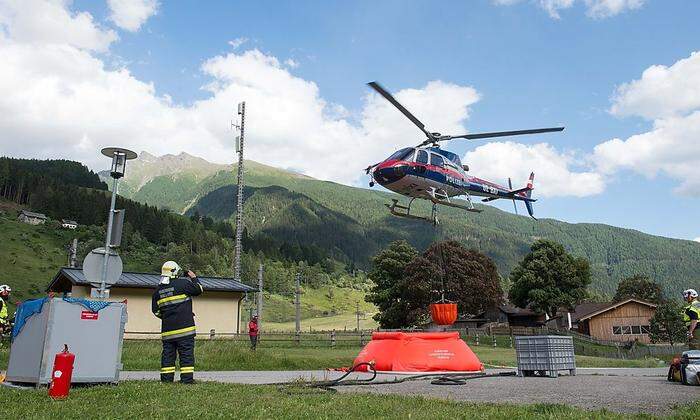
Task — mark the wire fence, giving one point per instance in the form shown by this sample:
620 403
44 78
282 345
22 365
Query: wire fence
495 337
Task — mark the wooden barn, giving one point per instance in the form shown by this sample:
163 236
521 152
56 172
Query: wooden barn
622 321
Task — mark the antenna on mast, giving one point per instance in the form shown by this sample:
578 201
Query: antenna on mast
239 205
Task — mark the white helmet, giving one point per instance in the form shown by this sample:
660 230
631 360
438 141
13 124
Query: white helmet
5 290
690 293
170 270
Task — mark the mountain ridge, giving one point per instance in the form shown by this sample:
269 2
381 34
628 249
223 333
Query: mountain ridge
614 252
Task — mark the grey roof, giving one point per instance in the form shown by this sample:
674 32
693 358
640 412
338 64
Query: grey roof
32 214
151 281
67 221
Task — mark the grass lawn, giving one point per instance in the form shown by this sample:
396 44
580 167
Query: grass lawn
326 323
229 355
150 399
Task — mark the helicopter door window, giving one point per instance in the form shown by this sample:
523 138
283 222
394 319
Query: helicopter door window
422 157
436 160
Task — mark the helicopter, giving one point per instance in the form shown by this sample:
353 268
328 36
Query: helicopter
428 172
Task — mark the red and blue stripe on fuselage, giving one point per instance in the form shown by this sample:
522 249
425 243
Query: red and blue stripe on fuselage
414 179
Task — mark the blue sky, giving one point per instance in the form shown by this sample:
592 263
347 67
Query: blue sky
503 65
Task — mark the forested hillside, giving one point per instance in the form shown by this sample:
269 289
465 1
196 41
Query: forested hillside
153 235
352 224
293 218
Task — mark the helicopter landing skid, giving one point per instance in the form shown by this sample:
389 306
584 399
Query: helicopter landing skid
405 211
440 197
459 206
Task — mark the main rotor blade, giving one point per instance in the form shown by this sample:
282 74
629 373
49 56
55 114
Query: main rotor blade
380 90
505 133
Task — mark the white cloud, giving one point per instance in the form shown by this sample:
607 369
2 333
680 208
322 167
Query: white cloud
291 63
552 7
555 172
671 147
235 43
597 9
131 14
670 96
697 239
606 8
59 100
662 91
42 22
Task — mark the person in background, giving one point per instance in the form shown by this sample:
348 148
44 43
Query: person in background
253 332
172 303
691 316
5 324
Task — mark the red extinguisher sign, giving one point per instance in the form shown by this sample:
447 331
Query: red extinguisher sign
61 374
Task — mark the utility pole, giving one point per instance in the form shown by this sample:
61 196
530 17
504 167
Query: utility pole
297 303
73 257
239 205
260 294
358 314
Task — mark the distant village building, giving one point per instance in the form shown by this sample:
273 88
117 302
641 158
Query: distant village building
504 315
218 308
31 217
69 224
622 321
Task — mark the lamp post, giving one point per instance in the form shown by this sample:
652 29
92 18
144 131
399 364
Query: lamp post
119 157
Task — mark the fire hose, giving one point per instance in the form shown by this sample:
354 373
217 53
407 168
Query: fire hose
437 379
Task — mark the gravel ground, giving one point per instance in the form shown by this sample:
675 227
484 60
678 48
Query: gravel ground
623 394
624 390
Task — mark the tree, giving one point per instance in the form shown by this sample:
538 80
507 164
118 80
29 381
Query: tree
549 278
388 275
667 324
639 287
465 276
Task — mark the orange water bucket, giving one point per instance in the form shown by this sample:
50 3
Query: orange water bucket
443 313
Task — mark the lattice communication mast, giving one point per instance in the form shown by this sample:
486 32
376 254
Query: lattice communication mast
240 139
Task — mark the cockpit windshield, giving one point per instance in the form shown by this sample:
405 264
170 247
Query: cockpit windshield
403 154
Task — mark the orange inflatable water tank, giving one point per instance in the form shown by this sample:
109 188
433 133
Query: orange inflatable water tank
443 313
419 352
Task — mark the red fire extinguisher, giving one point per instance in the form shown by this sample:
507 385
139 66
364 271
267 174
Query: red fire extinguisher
61 374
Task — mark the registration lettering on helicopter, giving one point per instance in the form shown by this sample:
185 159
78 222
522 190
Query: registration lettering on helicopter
489 189
458 182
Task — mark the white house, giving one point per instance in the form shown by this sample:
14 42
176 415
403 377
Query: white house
69 224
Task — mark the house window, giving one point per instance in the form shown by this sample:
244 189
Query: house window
630 329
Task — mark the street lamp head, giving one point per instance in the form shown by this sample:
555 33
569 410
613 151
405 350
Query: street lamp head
119 157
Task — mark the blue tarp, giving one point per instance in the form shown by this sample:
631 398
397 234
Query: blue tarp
92 305
24 311
34 306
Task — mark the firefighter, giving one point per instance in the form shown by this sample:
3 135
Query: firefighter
4 312
691 316
172 303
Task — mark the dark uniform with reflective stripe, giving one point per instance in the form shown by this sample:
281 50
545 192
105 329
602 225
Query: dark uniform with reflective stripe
172 303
